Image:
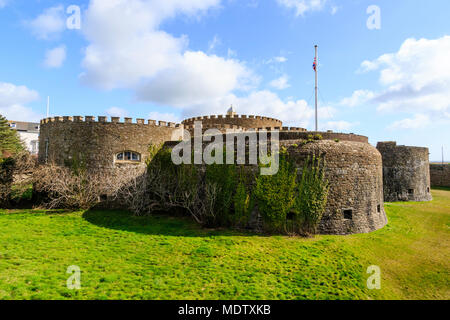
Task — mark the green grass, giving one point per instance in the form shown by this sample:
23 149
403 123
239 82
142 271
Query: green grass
124 257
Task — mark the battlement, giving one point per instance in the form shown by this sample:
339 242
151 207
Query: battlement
114 120
225 127
392 145
292 134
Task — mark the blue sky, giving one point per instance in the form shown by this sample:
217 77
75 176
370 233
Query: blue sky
171 59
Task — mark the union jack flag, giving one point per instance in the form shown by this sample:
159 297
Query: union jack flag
315 64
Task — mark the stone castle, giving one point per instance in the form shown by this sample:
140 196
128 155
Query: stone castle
354 168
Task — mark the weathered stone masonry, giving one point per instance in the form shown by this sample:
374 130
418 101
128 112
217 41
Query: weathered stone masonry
96 143
406 172
234 121
440 175
354 170
353 166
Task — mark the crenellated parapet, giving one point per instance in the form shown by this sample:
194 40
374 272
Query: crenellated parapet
406 172
115 120
231 117
242 121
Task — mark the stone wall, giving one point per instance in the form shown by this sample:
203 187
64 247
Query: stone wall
236 121
354 171
289 133
440 175
65 139
354 167
406 172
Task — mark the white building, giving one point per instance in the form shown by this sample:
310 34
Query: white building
29 134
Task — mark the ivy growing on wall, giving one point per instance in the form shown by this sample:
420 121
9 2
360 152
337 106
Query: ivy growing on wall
312 194
217 195
275 195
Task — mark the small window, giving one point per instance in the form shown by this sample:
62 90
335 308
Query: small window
290 216
128 156
411 191
46 150
348 214
428 189
378 208
34 146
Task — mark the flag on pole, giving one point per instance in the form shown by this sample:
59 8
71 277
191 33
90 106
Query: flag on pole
315 64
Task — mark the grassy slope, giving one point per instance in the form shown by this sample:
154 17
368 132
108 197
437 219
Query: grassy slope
168 258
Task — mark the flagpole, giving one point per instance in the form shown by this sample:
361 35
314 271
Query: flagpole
48 106
317 81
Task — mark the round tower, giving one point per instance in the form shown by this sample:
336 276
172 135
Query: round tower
101 143
354 171
406 172
233 121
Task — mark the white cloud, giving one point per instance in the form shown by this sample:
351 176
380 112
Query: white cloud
128 50
281 83
231 53
339 125
55 58
279 59
197 78
214 43
419 121
416 80
117 112
291 112
358 98
49 24
169 117
302 6
334 10
367 66
13 100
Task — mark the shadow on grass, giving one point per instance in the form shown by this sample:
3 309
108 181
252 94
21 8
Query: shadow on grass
154 224
441 188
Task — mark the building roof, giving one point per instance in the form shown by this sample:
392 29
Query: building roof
24 126
231 110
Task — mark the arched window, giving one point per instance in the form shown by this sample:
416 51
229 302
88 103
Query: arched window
128 156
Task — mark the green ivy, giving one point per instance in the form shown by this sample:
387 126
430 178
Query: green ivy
243 200
275 195
224 177
312 193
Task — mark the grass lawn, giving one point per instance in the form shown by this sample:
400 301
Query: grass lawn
124 257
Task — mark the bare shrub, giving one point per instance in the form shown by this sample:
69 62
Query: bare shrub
171 186
24 167
131 188
83 189
67 189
